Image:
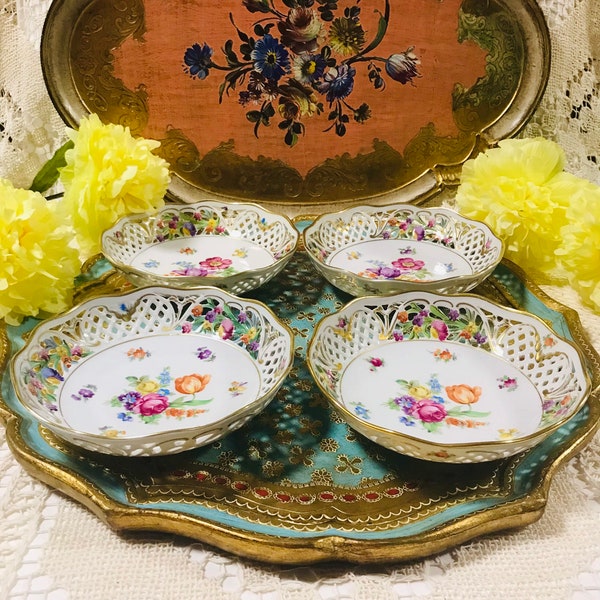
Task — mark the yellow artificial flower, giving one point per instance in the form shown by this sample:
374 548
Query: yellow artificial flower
39 257
518 190
580 249
109 174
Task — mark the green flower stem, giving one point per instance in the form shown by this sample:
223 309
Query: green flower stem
49 173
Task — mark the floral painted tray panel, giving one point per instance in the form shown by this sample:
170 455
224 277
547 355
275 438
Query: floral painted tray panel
306 101
297 484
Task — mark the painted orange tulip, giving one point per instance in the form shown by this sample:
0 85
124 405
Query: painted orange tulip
191 384
463 394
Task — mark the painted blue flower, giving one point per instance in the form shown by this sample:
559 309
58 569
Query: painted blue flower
151 264
189 229
406 421
270 58
198 60
338 83
49 372
434 384
308 68
361 411
164 377
124 417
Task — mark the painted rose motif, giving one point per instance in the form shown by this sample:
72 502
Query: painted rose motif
150 404
303 55
428 411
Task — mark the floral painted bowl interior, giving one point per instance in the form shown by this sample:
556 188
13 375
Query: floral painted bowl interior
384 250
153 372
236 247
447 378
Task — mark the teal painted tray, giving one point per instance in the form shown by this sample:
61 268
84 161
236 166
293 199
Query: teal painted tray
296 485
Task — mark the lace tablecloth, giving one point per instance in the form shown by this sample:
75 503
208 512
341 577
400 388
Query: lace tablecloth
52 547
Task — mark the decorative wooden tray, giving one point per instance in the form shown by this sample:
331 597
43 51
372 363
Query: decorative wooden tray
297 485
321 104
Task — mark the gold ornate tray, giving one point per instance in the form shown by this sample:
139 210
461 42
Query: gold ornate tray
297 485
322 104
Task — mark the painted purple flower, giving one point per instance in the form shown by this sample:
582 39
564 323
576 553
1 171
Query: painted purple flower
398 336
402 67
385 272
86 393
189 229
129 399
270 58
453 314
418 320
337 83
480 338
253 346
191 272
405 402
419 233
198 60
242 317
204 353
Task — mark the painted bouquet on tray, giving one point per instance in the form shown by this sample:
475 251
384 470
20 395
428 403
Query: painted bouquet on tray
301 53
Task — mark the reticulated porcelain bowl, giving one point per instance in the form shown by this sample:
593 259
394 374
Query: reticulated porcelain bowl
447 378
156 371
235 246
369 250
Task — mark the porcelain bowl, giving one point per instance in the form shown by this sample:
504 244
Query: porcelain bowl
455 379
152 372
370 250
235 246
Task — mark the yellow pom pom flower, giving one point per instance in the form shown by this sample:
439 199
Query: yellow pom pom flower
39 258
580 248
518 190
109 174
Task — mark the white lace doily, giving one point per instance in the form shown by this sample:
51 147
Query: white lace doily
52 548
